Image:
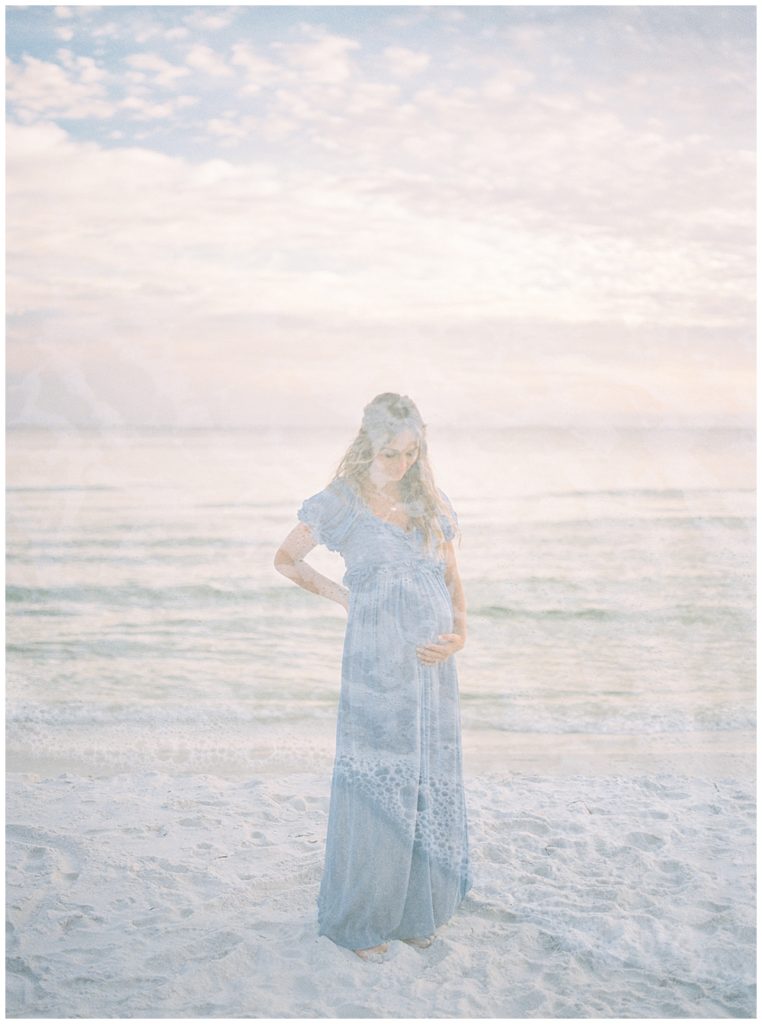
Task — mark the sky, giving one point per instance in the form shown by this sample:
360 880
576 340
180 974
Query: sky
266 215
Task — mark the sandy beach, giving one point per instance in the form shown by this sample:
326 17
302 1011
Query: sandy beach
624 891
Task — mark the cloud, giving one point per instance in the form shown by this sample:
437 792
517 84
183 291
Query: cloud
179 32
107 30
40 89
148 110
370 98
258 70
404 63
559 185
164 72
203 58
88 70
263 242
204 21
230 128
506 83
324 60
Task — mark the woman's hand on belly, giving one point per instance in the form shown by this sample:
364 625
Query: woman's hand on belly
449 643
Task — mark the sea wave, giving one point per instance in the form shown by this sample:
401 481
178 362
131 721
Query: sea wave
502 716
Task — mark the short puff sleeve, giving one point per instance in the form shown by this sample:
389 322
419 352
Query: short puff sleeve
446 524
330 514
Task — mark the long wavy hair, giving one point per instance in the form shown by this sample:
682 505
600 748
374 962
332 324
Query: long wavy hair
387 415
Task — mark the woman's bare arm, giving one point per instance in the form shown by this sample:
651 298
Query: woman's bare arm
289 561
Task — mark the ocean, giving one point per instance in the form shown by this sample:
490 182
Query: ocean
609 576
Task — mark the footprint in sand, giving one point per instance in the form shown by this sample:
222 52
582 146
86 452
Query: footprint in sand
644 840
58 857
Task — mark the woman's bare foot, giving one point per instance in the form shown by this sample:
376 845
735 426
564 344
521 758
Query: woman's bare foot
373 953
420 943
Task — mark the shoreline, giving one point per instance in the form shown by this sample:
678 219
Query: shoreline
705 755
702 754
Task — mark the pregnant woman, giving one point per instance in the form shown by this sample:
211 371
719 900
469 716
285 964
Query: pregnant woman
397 858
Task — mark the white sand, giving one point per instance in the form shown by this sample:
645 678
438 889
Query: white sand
626 891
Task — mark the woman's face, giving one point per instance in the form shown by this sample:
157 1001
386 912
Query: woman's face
394 458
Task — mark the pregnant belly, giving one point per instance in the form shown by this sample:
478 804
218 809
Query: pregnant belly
407 610
431 614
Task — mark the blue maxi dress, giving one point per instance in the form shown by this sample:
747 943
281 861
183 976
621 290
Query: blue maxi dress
396 856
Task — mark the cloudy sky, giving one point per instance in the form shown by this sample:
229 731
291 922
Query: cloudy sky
262 215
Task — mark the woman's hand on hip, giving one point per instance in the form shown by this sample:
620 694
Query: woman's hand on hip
449 643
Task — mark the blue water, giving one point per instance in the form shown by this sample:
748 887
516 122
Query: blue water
609 578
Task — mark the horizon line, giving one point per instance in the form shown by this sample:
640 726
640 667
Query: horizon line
338 426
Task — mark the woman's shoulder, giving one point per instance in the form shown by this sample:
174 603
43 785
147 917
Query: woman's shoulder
341 487
329 513
337 492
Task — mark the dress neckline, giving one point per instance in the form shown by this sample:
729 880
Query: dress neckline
386 522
